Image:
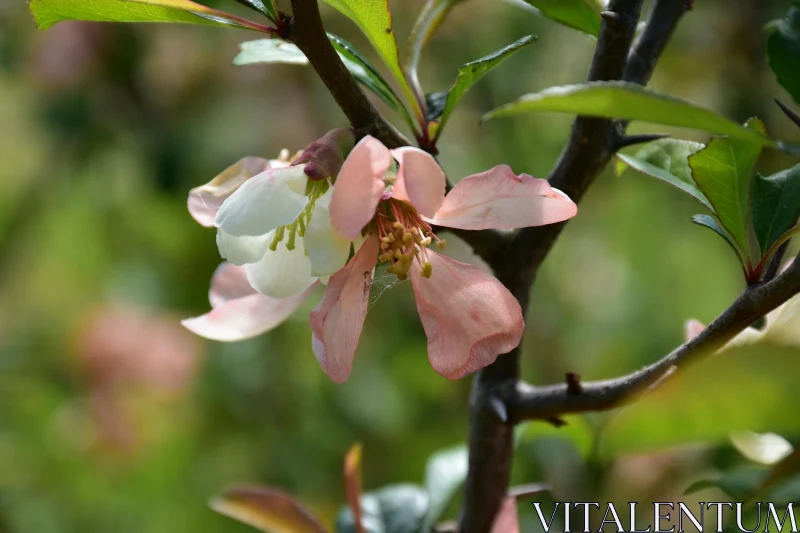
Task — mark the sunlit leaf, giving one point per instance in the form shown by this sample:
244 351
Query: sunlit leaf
269 51
444 474
775 204
764 448
668 160
582 15
375 20
708 400
627 101
723 171
279 51
266 509
472 72
783 47
49 12
428 21
268 8
392 509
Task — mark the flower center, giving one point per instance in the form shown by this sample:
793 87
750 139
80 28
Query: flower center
314 190
405 238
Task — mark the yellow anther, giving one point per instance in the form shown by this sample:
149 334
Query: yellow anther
427 269
397 225
442 244
426 241
407 237
402 276
415 231
384 245
398 254
277 238
391 237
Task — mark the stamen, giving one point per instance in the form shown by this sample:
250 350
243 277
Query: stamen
292 232
277 238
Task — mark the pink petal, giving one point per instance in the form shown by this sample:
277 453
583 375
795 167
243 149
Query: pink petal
229 282
359 187
468 315
337 321
692 329
245 317
204 201
507 520
500 199
420 180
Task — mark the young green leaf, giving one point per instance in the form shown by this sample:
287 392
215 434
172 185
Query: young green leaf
269 51
392 509
278 51
783 48
723 171
428 21
472 72
49 12
713 224
444 474
668 160
581 15
631 102
375 20
268 9
266 509
775 204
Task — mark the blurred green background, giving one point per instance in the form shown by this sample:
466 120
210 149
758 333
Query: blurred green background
115 419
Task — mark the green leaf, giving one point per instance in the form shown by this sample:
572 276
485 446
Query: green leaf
472 72
365 73
49 12
267 9
582 15
713 224
723 171
630 102
266 509
375 20
776 205
278 51
444 474
392 509
430 18
269 51
668 160
708 400
783 48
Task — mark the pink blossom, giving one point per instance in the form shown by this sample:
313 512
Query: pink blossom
393 198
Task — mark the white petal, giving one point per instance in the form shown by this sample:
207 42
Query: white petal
764 448
245 317
274 198
243 250
327 249
229 282
281 273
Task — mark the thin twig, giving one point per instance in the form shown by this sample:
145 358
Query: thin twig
527 402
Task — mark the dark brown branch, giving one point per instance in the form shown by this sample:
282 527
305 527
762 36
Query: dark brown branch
651 43
587 152
306 31
542 403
